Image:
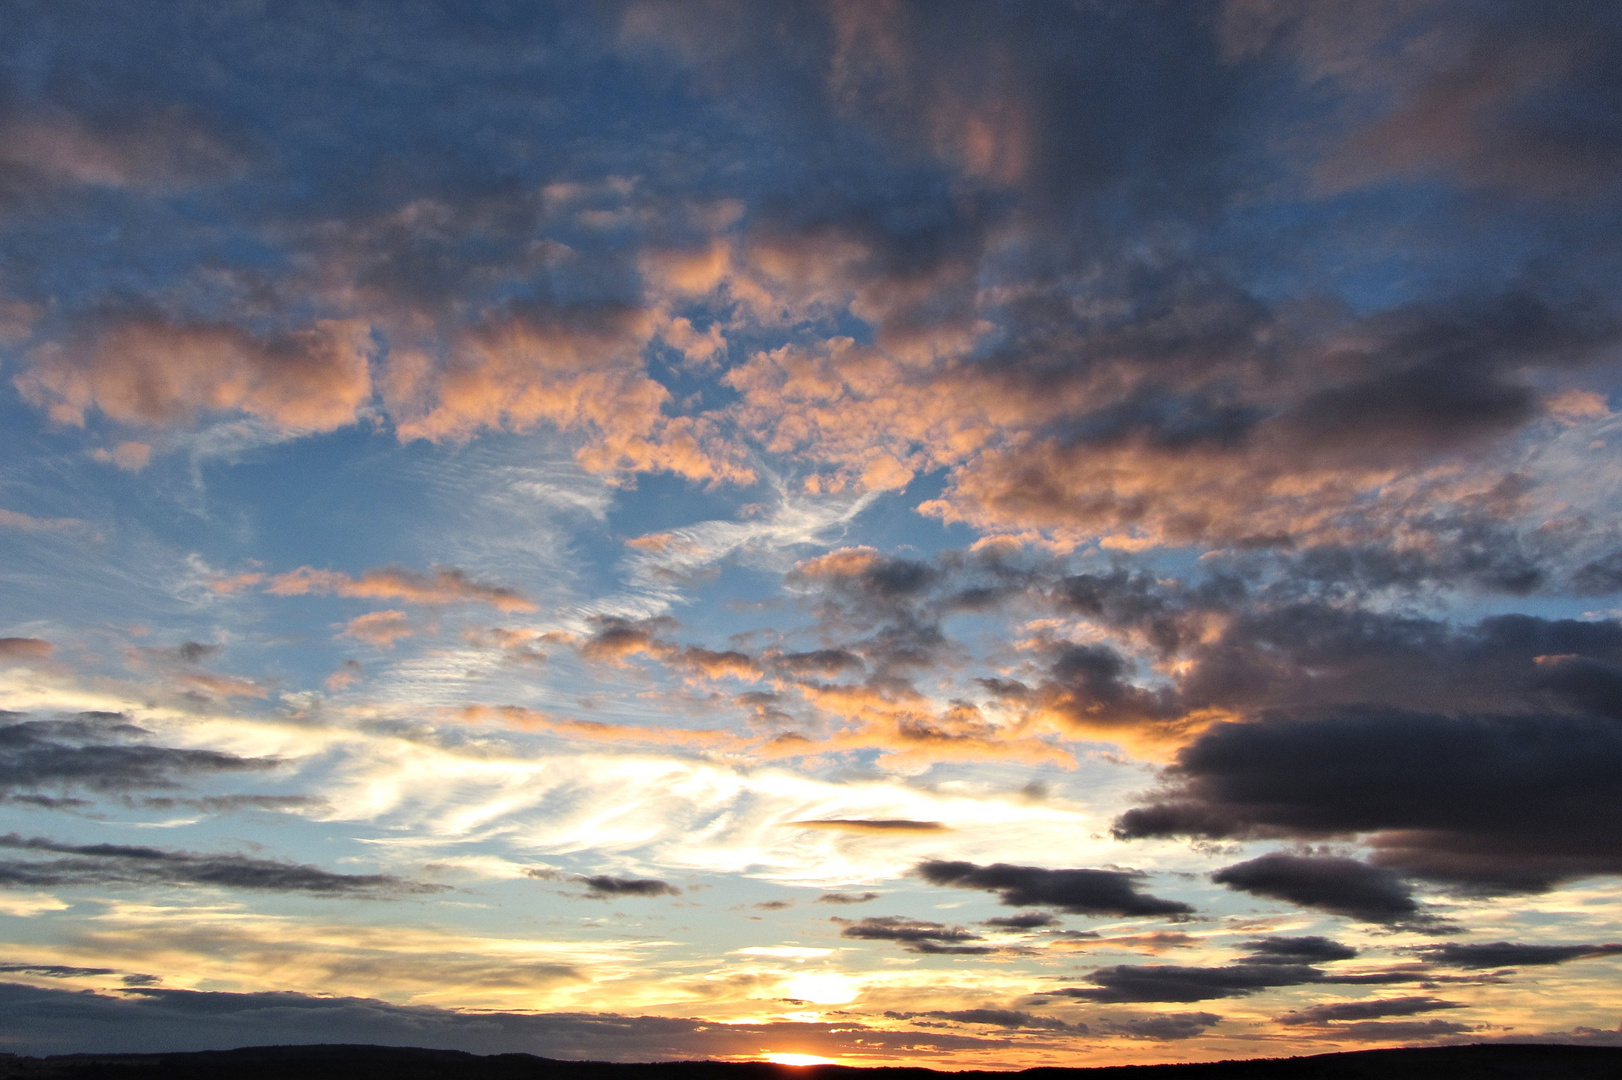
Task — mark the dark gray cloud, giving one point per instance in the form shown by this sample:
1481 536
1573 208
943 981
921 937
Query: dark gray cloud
1272 962
1486 802
846 898
1340 886
826 663
1517 105
1334 1012
100 865
1003 1018
1025 920
1400 1030
876 825
1600 577
1079 892
602 885
1092 685
226 804
1172 982
53 971
916 935
1296 950
1294 656
102 753
1499 954
1165 1027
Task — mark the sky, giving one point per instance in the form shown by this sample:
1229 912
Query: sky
975 535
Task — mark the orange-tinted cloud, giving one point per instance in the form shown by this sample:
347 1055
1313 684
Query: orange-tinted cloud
711 664
212 685
379 628
597 732
578 371
348 673
236 582
515 645
153 371
25 650
445 585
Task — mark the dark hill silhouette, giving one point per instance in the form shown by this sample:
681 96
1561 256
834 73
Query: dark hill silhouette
1499 1061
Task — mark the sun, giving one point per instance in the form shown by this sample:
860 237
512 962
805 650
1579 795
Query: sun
798 1059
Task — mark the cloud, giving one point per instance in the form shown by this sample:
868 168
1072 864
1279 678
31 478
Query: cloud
1296 950
445 585
103 753
917 935
846 898
1509 954
574 367
148 370
1272 962
25 650
1011 1019
601 885
1498 803
1481 114
1088 690
1340 886
1171 982
180 666
1399 1030
379 628
1334 1012
1080 892
127 455
1157 465
871 825
827 663
1155 942
596 731
1025 920
14 519
54 971
150 150
348 673
1165 1027
125 865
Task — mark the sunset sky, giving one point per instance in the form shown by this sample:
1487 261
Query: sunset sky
973 534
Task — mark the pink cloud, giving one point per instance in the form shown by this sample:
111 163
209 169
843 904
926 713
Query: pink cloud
153 372
379 628
445 585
